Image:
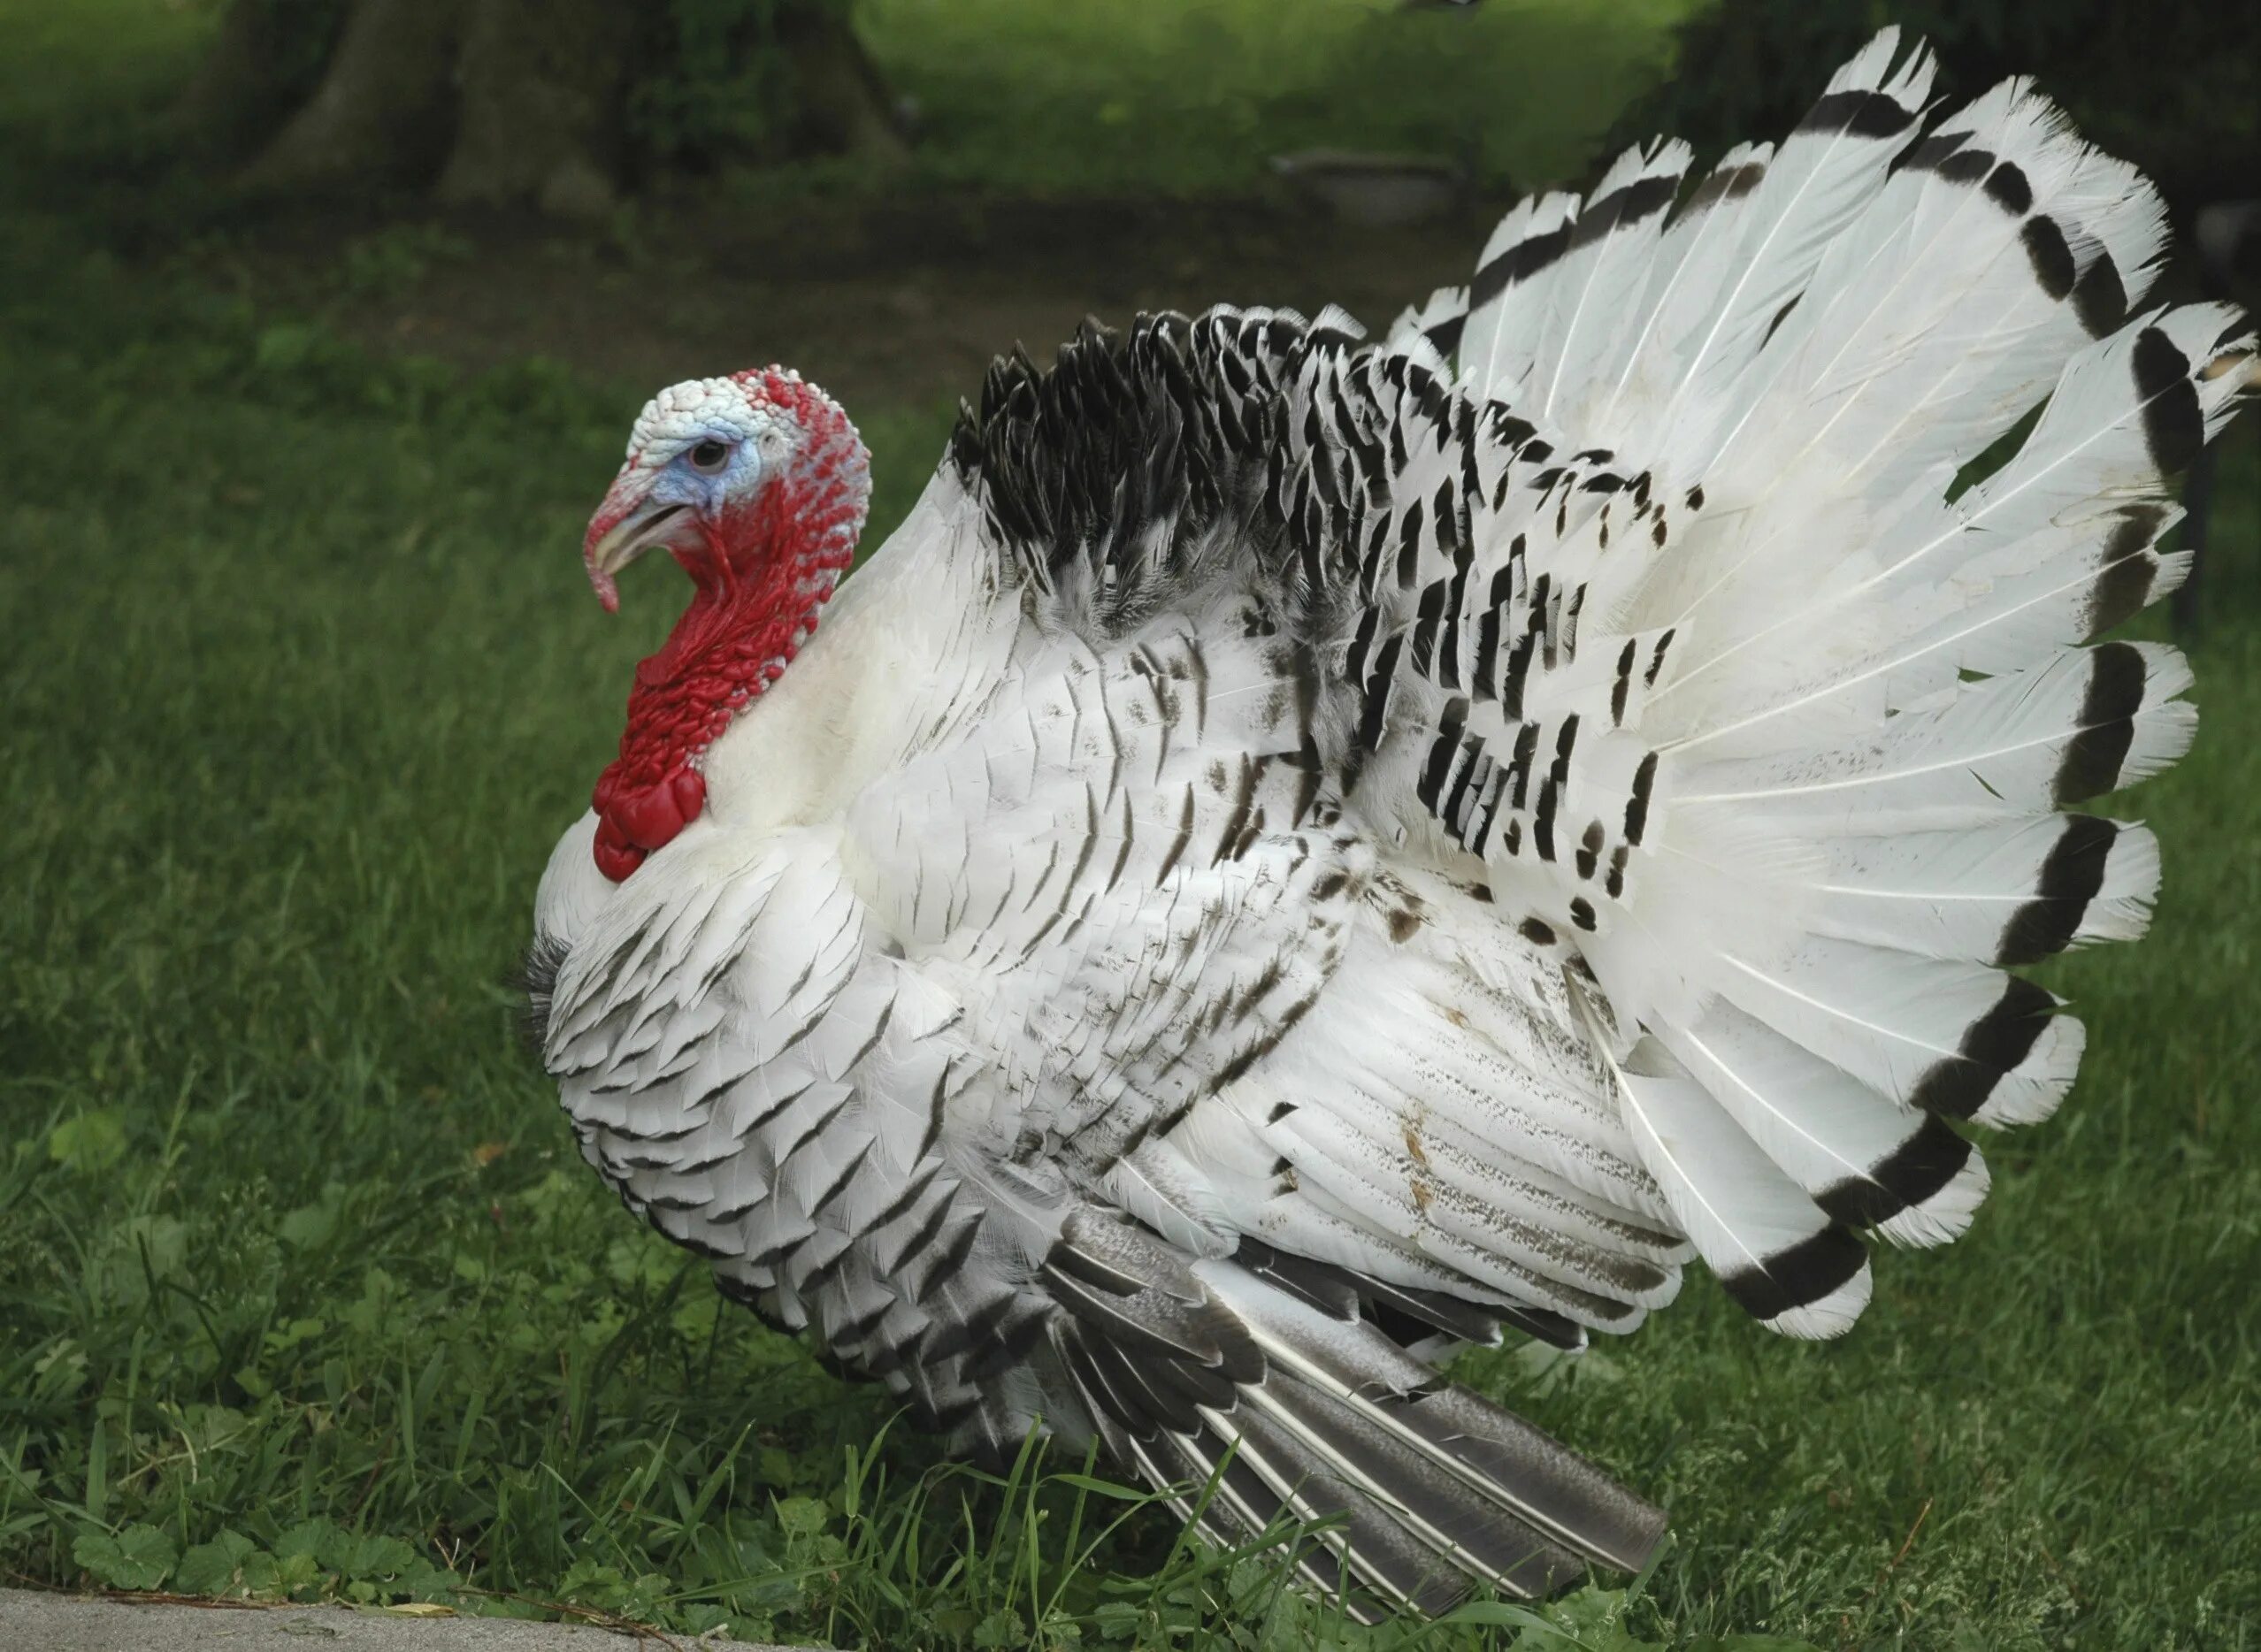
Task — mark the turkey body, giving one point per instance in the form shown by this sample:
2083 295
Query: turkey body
977 1018
1301 854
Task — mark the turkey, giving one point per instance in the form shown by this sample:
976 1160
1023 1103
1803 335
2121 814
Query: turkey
1304 853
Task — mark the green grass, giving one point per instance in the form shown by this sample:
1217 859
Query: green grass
303 1291
1200 94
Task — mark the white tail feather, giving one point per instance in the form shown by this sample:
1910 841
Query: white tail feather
1863 1159
1789 773
1760 1233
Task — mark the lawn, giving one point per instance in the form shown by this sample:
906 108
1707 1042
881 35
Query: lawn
304 1292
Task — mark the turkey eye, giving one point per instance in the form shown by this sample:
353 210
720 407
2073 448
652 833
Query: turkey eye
709 455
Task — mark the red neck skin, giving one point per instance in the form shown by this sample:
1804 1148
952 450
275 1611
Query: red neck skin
767 567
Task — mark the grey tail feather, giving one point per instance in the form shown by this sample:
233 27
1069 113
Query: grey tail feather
1264 1393
1427 1490
1439 1452
1449 1493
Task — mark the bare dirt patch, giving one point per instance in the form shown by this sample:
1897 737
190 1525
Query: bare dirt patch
900 300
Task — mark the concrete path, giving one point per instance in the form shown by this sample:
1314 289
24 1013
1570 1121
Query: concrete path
64 1623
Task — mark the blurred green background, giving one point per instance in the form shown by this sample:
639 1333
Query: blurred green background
321 323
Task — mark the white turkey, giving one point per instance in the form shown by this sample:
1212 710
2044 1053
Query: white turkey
1301 854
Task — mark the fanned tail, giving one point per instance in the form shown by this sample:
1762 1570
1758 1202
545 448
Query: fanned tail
1855 824
1777 725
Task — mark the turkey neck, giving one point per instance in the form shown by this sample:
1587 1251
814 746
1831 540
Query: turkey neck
758 584
911 648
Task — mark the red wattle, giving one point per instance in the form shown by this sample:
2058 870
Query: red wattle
648 816
616 856
767 564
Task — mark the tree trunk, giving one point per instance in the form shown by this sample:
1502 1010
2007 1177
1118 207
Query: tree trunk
841 102
266 56
384 107
542 87
500 102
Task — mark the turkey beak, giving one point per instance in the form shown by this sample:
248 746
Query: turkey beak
616 540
